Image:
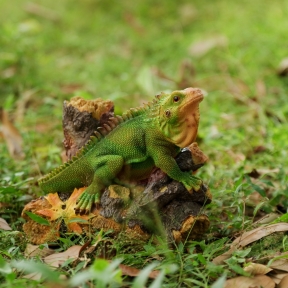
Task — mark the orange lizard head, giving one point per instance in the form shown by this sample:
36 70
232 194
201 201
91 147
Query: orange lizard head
179 115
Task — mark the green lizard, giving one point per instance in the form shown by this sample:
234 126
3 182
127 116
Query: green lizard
129 147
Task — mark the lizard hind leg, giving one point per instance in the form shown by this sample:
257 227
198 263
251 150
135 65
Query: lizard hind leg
106 170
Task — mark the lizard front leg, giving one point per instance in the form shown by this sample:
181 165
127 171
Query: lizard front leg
106 169
164 160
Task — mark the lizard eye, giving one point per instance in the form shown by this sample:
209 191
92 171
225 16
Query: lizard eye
176 98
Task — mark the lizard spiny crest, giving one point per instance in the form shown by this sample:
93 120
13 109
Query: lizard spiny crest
102 132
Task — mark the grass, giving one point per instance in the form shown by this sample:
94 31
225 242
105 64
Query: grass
112 50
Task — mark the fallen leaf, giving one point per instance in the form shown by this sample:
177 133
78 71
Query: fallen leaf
267 218
11 135
277 277
281 264
283 283
65 210
260 281
35 250
33 276
57 259
4 225
249 237
202 47
134 272
257 269
283 67
268 171
56 210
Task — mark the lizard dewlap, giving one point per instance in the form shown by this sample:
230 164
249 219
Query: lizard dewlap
130 146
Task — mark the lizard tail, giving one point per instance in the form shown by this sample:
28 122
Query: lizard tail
65 180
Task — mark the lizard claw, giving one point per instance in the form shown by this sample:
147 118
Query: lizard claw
193 183
85 203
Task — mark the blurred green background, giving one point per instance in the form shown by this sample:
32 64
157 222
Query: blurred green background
128 51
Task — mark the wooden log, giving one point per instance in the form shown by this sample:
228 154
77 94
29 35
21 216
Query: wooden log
81 118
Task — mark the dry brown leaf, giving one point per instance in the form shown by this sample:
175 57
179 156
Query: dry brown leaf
221 258
260 281
268 171
57 259
202 47
134 272
257 269
34 250
258 233
277 277
267 218
33 276
283 283
11 135
4 225
281 264
249 237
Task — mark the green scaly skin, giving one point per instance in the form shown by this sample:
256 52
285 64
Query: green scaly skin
129 147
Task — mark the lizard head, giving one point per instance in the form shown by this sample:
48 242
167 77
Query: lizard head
179 115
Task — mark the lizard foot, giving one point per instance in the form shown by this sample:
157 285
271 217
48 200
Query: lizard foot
85 203
192 183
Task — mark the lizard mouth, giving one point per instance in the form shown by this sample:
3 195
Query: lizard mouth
194 95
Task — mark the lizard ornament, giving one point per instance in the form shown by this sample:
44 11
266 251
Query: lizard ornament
130 146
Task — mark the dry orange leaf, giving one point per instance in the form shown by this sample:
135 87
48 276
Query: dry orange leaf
4 225
249 237
260 281
65 210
